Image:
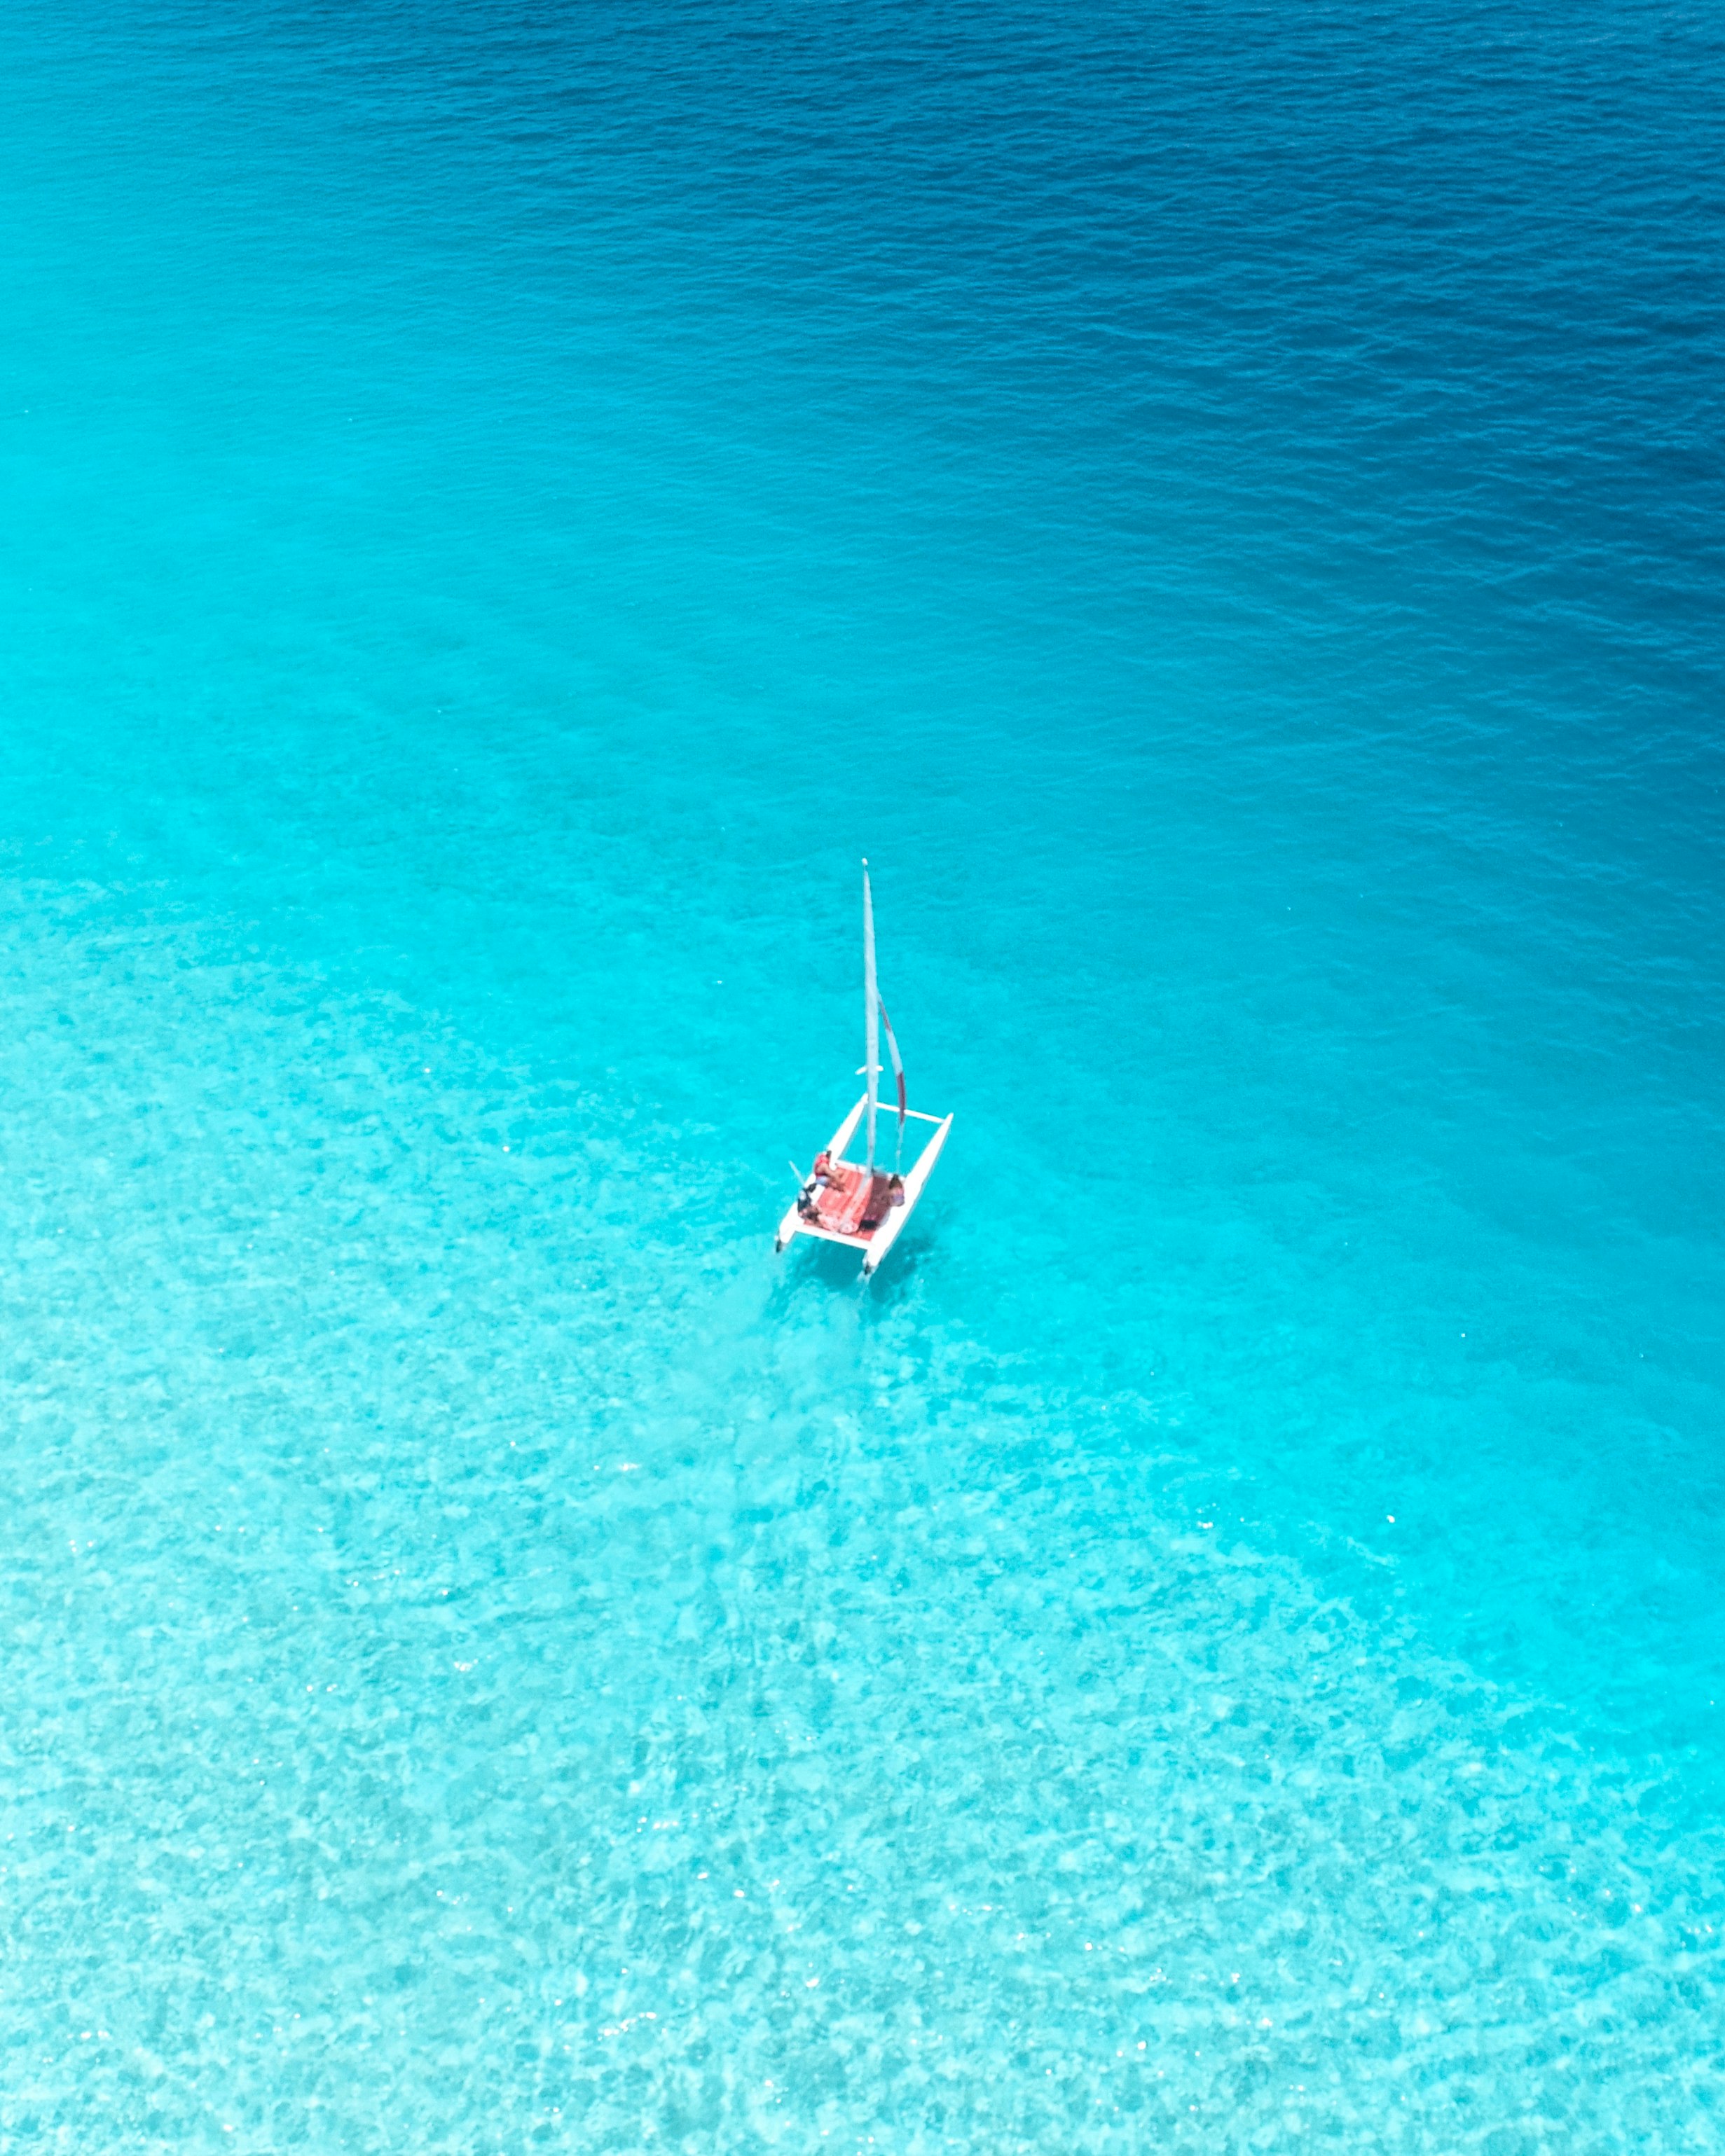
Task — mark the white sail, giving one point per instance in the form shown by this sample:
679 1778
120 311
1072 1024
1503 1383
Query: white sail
871 1002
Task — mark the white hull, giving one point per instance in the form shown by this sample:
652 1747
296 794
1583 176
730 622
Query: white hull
794 1224
889 1231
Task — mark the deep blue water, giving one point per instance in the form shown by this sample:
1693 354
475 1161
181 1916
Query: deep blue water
1221 1646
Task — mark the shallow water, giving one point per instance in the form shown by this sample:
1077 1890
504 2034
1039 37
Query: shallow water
1219 1646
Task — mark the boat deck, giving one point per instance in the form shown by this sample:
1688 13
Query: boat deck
850 1206
845 1201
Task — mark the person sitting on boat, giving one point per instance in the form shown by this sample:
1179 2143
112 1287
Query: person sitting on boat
823 1173
895 1190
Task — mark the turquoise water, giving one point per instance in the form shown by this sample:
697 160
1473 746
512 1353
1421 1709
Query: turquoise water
1219 1647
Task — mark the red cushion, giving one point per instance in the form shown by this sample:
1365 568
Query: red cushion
852 1199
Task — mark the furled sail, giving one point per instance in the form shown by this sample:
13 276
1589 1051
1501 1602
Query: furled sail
898 1059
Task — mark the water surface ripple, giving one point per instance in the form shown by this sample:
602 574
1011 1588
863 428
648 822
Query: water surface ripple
1219 1648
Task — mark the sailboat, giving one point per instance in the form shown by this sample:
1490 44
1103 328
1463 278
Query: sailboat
864 1203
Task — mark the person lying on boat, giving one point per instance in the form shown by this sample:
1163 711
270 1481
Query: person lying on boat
821 1175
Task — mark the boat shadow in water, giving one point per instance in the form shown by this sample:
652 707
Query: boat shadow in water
831 1266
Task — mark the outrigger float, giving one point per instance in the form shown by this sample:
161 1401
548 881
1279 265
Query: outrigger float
861 1204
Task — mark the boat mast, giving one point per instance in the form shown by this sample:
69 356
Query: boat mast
871 1005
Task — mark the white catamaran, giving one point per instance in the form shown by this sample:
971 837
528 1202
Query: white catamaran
862 1204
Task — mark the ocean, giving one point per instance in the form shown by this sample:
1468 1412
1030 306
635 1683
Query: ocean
1221 1645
